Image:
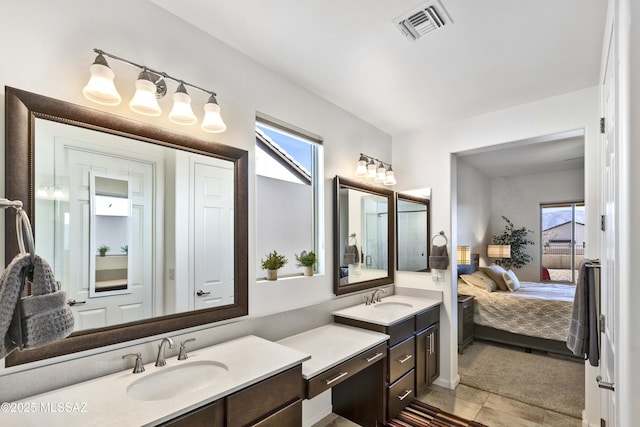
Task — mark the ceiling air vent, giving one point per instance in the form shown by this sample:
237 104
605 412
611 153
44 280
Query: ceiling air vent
422 20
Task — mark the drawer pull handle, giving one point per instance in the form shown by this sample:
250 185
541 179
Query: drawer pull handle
336 378
372 358
403 396
405 358
431 337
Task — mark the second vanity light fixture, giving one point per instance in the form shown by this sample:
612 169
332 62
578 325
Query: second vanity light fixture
150 86
382 172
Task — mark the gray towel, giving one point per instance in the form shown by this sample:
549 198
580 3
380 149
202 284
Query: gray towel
439 257
583 329
351 255
10 288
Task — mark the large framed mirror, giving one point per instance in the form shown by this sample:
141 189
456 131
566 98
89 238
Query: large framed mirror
161 271
364 239
413 221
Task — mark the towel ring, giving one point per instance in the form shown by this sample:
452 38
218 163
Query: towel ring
440 234
23 228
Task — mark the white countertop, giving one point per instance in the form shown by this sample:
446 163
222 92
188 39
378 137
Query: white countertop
331 345
104 402
387 314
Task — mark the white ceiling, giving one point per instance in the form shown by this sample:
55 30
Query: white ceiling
495 54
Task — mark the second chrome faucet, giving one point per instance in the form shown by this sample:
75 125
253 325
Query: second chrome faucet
160 360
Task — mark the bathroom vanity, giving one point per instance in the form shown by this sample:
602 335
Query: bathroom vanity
412 325
232 383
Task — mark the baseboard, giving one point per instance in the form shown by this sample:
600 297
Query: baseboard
586 423
451 385
316 409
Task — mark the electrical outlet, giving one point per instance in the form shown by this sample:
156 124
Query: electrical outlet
172 274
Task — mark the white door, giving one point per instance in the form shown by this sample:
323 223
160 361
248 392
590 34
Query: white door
608 304
113 309
213 262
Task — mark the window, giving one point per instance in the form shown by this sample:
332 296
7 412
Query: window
288 188
562 241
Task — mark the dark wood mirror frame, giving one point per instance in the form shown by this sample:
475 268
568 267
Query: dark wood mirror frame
21 110
341 182
427 203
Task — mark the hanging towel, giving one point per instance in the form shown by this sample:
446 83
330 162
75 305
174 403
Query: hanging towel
37 319
439 258
583 329
351 255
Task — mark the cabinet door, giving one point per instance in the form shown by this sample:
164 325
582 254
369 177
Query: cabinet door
211 415
427 356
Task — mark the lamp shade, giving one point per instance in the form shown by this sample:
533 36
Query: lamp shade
144 101
361 169
499 251
463 253
371 169
100 88
212 121
181 113
380 173
390 178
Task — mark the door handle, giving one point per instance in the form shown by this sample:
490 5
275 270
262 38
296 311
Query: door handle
603 384
73 302
202 293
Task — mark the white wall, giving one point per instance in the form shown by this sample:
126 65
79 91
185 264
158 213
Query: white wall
438 145
474 208
47 49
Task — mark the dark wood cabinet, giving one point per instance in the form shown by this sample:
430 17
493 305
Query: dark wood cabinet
209 415
465 321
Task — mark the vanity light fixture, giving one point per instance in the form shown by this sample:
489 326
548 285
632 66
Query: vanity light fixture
151 86
383 173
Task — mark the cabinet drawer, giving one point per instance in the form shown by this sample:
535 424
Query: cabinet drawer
427 318
211 415
346 369
257 401
401 330
400 394
402 358
290 416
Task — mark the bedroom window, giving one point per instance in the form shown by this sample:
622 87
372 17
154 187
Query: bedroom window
288 166
562 241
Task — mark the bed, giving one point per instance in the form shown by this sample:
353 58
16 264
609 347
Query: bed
534 316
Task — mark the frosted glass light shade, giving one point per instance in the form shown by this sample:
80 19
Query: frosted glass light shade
181 113
144 101
100 88
361 169
371 170
390 178
212 121
380 173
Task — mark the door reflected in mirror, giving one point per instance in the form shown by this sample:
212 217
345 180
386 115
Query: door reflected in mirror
413 224
110 235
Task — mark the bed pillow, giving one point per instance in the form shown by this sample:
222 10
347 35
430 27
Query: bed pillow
490 282
478 281
495 272
511 280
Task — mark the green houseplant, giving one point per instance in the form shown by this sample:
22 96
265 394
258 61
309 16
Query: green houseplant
272 263
307 260
517 239
103 249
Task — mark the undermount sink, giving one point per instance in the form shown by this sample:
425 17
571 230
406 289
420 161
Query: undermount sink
173 381
391 305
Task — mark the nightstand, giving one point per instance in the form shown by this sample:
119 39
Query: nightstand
465 321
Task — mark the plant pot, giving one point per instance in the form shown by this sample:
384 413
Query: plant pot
102 253
272 274
308 270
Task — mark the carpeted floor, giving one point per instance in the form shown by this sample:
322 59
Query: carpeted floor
550 382
420 414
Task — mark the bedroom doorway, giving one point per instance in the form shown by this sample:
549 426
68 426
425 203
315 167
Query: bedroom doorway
562 241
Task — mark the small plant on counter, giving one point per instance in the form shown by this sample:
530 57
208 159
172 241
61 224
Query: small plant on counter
307 260
102 250
272 263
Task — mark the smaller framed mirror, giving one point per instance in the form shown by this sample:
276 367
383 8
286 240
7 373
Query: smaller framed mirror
110 235
413 221
364 239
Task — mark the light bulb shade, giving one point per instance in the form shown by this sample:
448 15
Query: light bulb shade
144 101
499 251
380 173
212 121
389 178
371 169
181 113
100 88
463 253
361 169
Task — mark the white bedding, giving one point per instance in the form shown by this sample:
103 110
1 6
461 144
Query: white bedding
536 309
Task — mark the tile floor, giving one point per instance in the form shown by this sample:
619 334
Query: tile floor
482 406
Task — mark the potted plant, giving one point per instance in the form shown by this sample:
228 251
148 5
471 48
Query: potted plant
518 239
272 263
307 260
102 250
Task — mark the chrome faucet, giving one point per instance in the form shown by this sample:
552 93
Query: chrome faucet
375 296
139 367
160 359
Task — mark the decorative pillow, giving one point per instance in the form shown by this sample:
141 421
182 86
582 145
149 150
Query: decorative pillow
478 281
511 280
495 272
490 282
